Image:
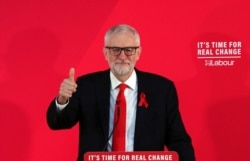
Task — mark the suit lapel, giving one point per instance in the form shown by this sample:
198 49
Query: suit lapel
103 99
141 112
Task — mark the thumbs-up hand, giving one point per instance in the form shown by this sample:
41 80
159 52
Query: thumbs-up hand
67 88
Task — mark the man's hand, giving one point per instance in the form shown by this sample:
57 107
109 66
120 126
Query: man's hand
67 88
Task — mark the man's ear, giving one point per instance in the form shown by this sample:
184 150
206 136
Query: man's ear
139 52
105 53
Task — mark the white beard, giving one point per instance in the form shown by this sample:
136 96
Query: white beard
122 69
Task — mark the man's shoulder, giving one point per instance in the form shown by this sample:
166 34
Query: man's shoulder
155 82
152 77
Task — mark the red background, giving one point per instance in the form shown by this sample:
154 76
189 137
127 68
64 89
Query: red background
41 39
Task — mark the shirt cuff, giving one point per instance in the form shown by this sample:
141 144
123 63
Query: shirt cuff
61 107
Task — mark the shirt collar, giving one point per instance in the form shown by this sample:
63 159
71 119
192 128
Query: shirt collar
131 81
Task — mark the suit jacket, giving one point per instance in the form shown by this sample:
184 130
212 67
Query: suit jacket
156 126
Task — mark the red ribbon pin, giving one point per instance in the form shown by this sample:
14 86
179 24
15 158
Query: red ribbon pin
143 101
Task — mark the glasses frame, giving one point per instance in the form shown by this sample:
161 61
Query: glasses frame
122 49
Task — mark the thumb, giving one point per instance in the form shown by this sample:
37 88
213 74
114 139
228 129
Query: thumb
72 74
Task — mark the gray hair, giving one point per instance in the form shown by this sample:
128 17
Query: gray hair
122 28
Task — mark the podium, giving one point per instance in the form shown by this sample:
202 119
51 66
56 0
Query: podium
132 156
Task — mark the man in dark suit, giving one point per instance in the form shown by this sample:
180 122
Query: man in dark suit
153 119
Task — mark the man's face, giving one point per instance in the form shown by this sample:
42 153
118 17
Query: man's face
122 65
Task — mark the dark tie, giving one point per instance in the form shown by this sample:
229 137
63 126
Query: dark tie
120 121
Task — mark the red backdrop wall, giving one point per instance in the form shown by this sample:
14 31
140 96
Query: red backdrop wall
40 40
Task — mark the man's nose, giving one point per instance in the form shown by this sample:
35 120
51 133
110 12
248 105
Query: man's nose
122 55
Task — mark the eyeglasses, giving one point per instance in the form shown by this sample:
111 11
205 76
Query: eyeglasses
116 51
